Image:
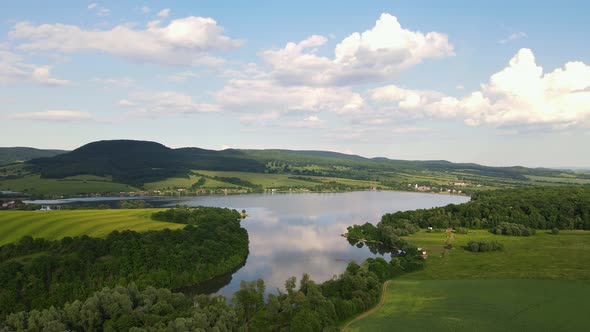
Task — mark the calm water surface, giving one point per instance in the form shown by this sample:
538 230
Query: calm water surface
292 234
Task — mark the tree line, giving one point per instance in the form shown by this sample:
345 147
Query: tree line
535 208
303 306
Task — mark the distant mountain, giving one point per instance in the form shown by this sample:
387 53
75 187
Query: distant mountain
139 162
21 154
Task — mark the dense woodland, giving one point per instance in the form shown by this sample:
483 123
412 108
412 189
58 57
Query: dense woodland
303 306
38 273
566 207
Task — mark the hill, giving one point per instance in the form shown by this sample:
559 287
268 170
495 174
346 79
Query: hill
136 162
151 165
21 154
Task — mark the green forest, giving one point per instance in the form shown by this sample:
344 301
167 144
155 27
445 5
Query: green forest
38 273
564 207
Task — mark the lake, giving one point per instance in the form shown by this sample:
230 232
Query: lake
292 234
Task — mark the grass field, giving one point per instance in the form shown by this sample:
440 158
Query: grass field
81 184
187 183
481 305
286 180
538 283
59 224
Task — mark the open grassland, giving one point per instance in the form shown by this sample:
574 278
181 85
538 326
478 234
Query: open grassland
58 224
538 283
541 256
481 305
81 184
563 179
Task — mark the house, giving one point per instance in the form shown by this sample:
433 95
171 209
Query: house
9 205
45 208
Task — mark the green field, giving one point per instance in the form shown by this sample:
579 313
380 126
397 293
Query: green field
538 283
187 183
286 180
80 184
481 305
59 224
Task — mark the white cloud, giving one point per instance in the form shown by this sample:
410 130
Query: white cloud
114 82
164 12
512 37
13 68
43 75
55 115
181 76
145 10
165 103
374 55
100 10
184 41
266 95
312 121
518 95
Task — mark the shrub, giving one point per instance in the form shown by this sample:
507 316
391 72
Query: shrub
511 229
462 230
483 246
555 231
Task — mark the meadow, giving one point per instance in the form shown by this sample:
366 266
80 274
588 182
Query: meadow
59 224
80 184
537 283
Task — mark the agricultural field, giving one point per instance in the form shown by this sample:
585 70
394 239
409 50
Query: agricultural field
58 224
80 184
286 180
563 179
481 305
187 183
536 283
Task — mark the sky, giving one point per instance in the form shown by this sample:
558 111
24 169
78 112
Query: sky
496 83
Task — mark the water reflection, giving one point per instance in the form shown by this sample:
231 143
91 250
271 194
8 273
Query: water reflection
292 234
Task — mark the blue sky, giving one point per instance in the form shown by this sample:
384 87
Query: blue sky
499 83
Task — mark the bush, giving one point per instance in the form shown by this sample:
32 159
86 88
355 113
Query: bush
555 231
483 246
511 229
462 230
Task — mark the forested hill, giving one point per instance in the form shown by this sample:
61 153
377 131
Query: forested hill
19 154
139 162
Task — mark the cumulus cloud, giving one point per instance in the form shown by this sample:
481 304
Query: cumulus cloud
184 41
373 55
519 95
43 75
13 68
55 115
165 103
266 95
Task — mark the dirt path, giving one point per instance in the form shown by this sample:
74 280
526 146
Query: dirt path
368 313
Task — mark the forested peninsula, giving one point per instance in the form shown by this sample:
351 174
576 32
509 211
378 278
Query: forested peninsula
38 273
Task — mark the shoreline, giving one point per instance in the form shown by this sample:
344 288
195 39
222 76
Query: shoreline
113 198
